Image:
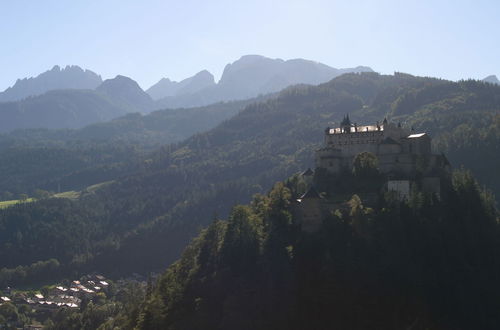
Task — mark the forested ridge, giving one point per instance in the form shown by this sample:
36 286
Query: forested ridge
71 159
424 264
142 221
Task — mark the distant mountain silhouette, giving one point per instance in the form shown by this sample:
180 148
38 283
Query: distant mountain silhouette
75 108
73 98
71 77
165 87
492 79
127 94
252 75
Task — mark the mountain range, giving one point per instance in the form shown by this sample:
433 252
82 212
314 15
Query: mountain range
167 88
143 217
137 189
74 108
73 97
254 75
70 77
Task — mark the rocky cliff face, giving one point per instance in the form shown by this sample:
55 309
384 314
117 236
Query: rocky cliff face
166 88
252 75
257 74
70 77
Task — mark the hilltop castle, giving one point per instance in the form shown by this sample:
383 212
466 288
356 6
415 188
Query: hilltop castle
398 150
404 159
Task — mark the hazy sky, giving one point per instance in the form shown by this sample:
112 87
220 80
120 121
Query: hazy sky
147 39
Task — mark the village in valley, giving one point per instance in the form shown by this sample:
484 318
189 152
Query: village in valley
74 295
60 296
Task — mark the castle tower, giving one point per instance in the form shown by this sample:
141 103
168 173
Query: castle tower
308 176
310 211
345 125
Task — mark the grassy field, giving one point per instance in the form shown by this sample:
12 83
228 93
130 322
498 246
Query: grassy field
66 194
95 187
6 204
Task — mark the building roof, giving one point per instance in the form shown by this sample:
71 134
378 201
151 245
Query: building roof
346 121
311 193
445 160
389 140
414 136
308 172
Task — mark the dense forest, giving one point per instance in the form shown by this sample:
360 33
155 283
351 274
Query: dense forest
425 263
146 216
72 159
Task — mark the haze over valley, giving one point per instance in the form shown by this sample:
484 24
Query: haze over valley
170 178
73 98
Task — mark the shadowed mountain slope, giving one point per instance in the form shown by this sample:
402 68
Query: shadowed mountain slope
71 159
143 221
127 94
75 108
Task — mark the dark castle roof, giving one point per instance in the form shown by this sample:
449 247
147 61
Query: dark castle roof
346 121
389 140
308 172
311 193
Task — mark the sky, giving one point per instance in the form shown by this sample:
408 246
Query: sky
147 39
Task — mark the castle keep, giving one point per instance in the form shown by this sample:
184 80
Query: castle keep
405 163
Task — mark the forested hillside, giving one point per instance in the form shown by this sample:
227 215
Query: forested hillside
421 264
143 221
76 108
425 264
58 109
71 159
